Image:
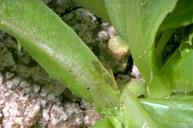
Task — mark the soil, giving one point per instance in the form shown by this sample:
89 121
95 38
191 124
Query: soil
30 98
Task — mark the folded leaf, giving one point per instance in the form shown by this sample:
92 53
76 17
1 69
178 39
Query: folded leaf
181 16
138 21
173 112
176 112
177 71
128 114
58 49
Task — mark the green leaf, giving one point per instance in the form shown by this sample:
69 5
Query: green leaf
128 114
181 16
177 70
136 86
137 21
58 49
165 37
107 122
175 112
96 6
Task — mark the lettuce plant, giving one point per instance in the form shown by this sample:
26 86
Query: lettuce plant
148 26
